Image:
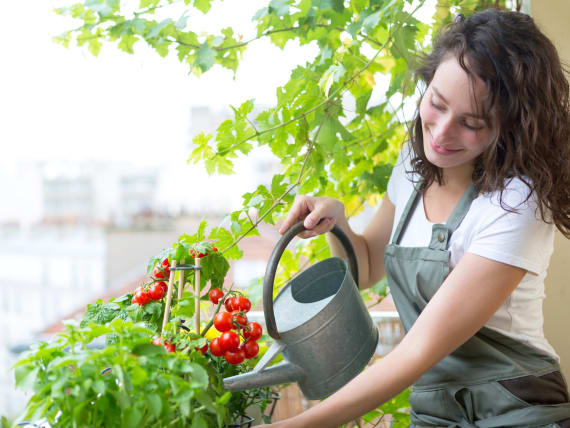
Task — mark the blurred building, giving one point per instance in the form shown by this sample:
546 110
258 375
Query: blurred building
72 232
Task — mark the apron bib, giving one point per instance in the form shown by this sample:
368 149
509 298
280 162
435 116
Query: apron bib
473 386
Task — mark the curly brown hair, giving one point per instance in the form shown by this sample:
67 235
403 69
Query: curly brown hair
528 99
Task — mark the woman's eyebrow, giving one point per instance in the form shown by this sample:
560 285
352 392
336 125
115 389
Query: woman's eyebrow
439 95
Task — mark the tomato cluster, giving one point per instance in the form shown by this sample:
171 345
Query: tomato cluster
230 323
157 288
197 254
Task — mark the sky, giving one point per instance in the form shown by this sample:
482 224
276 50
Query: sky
65 104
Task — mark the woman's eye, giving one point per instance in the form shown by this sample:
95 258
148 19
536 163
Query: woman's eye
434 105
471 127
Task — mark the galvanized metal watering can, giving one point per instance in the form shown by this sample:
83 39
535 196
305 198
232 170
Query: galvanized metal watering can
319 322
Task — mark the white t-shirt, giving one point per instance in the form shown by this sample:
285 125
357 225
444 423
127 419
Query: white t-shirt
520 239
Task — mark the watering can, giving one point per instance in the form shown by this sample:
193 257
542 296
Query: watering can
319 323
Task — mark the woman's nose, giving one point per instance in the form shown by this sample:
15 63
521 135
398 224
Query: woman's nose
443 128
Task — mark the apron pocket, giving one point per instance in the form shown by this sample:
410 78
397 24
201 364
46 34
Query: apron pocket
535 390
434 408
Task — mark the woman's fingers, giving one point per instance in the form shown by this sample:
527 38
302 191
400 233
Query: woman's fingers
301 207
325 225
317 213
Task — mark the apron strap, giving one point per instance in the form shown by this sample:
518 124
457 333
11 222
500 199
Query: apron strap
443 232
461 209
405 217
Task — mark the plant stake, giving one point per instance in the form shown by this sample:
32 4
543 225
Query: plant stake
180 282
168 295
197 293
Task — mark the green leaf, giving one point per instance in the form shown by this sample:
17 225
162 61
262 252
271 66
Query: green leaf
155 404
99 387
203 5
148 3
26 376
182 22
155 30
279 7
132 418
371 21
148 349
138 375
127 42
205 58
219 164
378 179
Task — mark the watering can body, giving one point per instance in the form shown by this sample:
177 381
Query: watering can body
320 324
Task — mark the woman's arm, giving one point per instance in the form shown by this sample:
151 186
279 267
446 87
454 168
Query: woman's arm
470 295
320 214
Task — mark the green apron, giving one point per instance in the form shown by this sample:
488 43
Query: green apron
466 388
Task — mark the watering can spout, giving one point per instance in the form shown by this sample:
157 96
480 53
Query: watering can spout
261 375
284 372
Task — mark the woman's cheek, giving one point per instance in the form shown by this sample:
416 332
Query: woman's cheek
427 112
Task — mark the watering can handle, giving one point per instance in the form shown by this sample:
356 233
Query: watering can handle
274 261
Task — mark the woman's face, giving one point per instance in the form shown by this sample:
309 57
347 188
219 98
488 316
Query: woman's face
454 131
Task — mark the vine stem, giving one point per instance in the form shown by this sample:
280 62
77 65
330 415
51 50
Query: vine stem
279 200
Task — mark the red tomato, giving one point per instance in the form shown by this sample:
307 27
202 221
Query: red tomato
239 320
253 332
166 266
141 296
196 254
242 303
229 303
157 273
251 348
163 285
223 321
170 347
156 291
230 340
216 348
215 295
215 249
203 349
234 357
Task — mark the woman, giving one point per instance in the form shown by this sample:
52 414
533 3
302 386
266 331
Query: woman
465 234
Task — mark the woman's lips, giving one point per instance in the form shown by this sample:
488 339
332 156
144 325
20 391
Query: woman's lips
441 150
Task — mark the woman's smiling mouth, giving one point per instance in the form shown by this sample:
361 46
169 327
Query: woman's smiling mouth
439 149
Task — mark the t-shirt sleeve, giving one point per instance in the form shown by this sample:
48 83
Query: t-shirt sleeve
398 177
519 238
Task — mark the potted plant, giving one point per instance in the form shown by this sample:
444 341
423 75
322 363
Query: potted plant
146 359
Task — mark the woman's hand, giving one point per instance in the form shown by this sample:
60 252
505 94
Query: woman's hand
319 215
